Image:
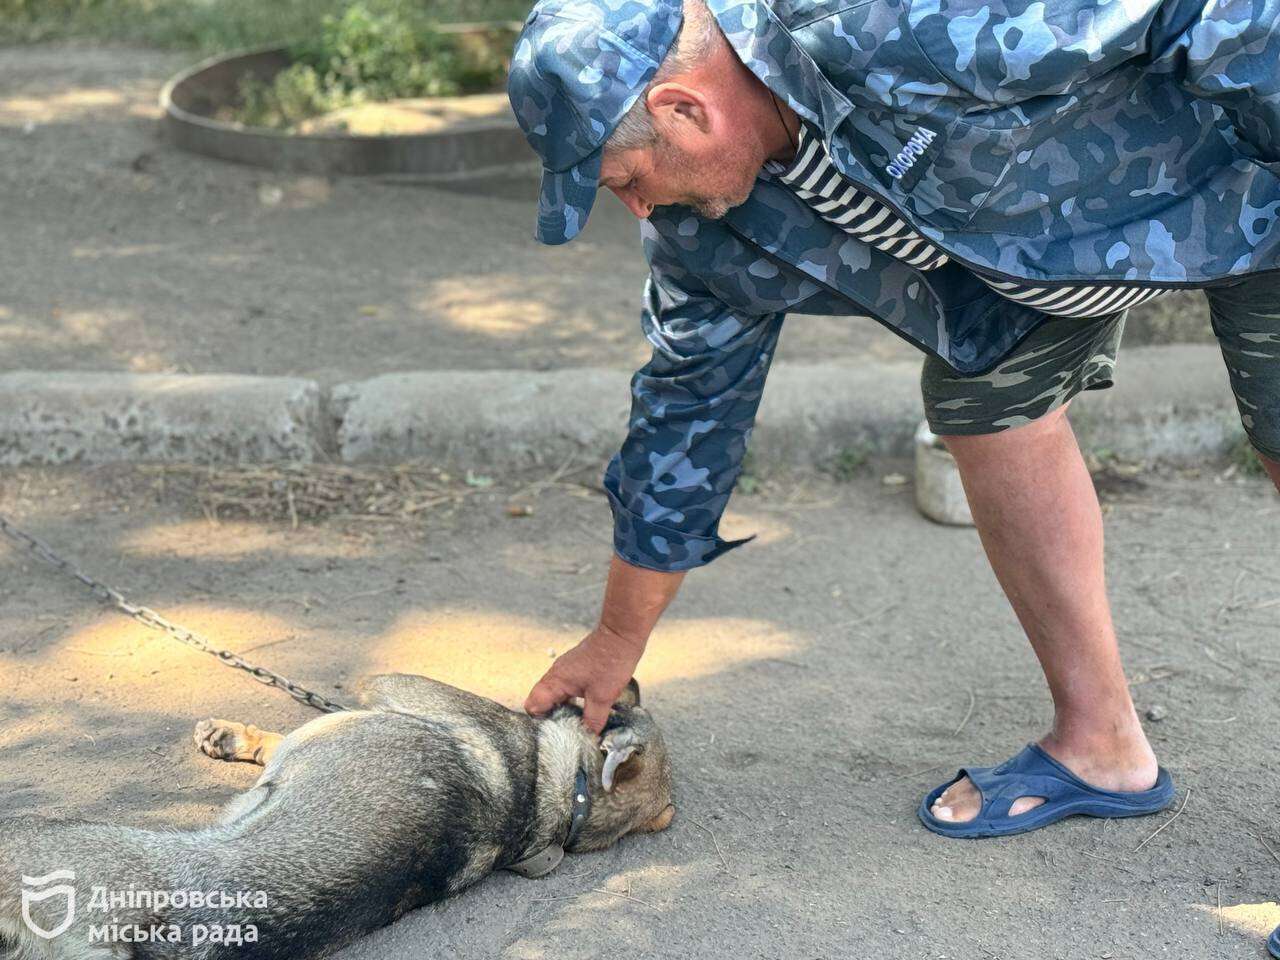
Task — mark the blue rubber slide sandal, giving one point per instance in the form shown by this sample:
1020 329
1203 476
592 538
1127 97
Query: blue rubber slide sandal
1274 943
1033 773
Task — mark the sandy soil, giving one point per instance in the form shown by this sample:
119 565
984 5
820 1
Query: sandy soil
813 684
130 255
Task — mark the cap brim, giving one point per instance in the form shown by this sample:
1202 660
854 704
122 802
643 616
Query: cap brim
566 199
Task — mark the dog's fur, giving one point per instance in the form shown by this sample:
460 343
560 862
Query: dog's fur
357 818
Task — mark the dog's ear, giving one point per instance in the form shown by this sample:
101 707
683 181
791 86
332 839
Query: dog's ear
622 750
630 695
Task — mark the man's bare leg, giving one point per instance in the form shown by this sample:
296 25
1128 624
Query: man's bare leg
1037 513
1273 470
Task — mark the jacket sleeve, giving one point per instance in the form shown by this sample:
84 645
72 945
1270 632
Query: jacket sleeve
1227 52
692 409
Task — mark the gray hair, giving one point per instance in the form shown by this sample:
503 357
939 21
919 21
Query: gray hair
698 38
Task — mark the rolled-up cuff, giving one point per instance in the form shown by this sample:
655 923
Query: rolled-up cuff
655 547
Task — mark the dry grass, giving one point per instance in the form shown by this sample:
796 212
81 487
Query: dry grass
306 493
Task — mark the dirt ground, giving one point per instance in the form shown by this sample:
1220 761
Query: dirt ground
131 255
813 685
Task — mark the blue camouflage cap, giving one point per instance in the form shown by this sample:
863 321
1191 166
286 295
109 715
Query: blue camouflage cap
578 67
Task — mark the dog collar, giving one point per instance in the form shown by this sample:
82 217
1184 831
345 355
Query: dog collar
580 808
548 858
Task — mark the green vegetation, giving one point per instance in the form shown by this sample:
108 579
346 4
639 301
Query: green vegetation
749 478
1245 458
215 26
849 462
369 55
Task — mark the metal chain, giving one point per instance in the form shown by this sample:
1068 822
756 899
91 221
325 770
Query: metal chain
150 618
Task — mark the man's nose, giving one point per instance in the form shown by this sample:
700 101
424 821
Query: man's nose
640 208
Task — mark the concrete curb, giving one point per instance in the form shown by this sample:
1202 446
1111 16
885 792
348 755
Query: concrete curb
1170 403
53 418
484 418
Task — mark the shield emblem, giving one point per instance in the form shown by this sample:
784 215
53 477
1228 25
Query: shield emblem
37 890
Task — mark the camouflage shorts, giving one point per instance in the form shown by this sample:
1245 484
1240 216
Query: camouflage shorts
1064 356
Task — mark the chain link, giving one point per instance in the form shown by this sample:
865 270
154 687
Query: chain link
147 616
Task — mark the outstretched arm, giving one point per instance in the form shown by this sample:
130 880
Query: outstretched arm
692 409
598 668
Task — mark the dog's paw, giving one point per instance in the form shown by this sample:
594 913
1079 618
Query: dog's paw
221 739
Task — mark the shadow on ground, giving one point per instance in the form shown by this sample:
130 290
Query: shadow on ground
813 685
136 256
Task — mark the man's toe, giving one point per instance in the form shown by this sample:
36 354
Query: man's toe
1024 805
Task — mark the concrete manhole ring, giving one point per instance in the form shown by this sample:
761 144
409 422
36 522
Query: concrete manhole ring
474 134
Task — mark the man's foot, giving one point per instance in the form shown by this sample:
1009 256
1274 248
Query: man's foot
1125 766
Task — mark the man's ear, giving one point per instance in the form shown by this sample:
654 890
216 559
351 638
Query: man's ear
675 106
630 695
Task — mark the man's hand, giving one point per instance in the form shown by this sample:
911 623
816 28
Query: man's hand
597 670
599 667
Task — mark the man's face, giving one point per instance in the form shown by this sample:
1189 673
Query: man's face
711 177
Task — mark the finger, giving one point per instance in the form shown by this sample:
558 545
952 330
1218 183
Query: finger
547 694
595 713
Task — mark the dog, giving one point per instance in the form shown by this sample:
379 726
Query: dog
358 818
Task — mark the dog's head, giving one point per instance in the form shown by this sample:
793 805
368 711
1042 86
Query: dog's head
631 783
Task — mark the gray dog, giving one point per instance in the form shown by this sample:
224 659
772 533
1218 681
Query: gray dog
357 818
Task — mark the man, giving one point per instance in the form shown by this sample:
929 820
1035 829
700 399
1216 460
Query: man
993 181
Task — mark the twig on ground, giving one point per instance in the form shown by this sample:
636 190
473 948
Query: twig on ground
1216 662
723 861
538 485
613 893
1234 600
1154 675
1115 863
863 619
1166 824
300 493
624 896
1266 846
968 713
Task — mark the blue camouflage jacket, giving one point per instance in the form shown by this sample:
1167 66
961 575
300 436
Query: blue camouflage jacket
1124 141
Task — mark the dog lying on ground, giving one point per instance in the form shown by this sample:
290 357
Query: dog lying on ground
358 818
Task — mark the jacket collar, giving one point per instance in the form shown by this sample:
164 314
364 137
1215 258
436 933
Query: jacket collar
769 51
